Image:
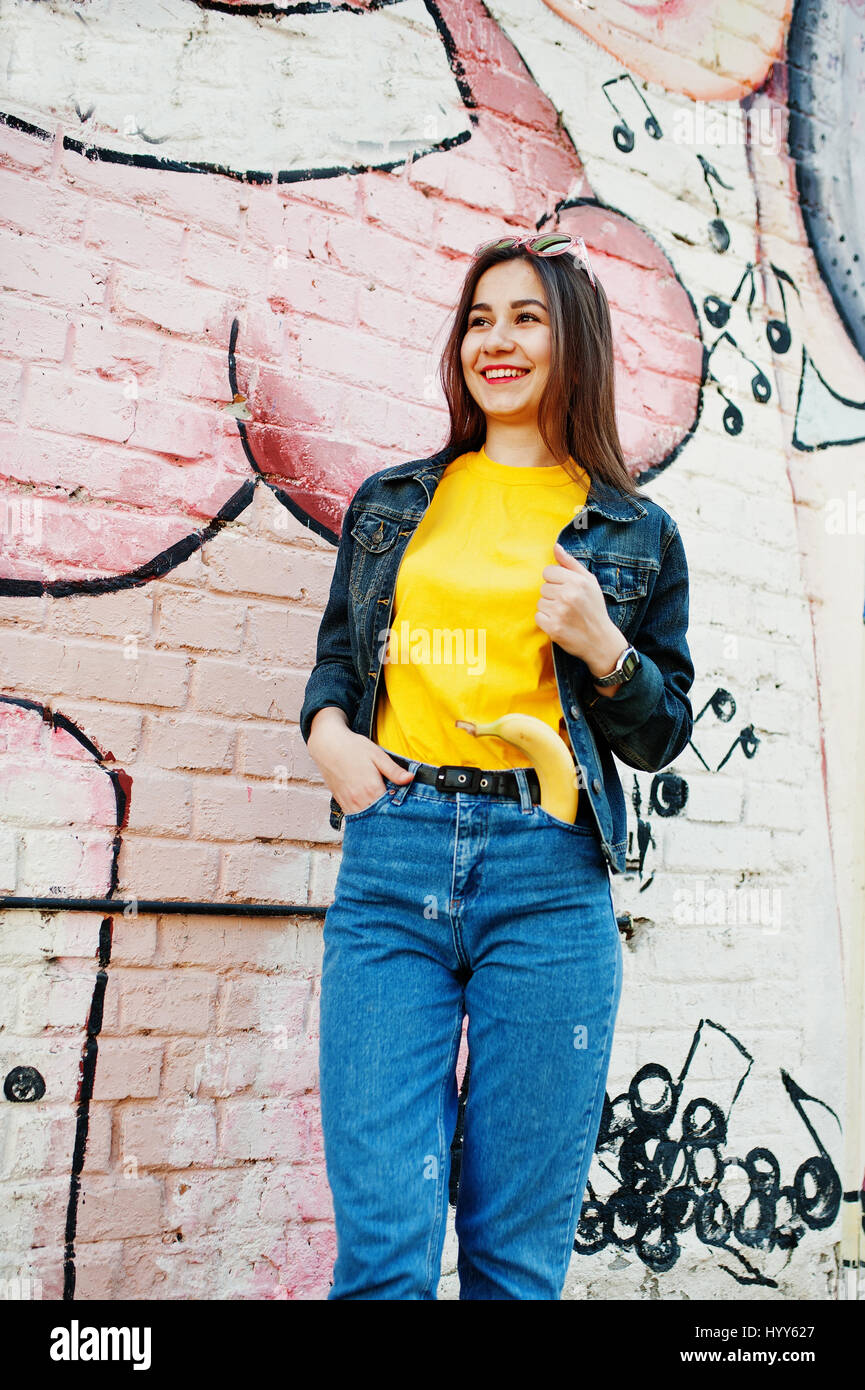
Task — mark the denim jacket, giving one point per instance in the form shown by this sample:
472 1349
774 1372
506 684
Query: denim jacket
634 550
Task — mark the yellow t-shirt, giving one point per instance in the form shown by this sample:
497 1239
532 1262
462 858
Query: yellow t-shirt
463 640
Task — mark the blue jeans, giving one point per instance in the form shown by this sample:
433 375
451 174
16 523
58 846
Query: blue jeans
449 903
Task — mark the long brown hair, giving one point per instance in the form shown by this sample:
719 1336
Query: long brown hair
577 411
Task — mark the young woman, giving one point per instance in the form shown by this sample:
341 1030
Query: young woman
516 571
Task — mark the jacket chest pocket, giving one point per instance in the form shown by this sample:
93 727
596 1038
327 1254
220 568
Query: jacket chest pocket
375 536
625 586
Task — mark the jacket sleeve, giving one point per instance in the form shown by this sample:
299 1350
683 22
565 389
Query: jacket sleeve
334 679
649 720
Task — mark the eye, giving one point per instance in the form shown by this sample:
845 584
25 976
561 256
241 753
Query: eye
523 314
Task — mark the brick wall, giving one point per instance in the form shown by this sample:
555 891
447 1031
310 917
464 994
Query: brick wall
201 360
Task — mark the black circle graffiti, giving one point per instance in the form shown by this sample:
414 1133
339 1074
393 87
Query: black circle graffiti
24 1084
668 1185
819 1206
669 794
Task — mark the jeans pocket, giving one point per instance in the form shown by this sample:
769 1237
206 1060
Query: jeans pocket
576 828
380 801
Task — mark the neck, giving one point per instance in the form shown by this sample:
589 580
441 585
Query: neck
517 448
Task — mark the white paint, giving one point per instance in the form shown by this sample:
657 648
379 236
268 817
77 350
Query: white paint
165 79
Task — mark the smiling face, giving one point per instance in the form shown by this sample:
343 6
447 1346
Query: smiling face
508 326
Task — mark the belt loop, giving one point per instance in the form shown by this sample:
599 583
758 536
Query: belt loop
401 792
522 777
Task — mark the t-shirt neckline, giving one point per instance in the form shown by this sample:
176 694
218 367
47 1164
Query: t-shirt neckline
551 475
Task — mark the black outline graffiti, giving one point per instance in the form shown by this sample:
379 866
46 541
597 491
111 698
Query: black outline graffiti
647 474
278 490
160 564
106 155
668 794
121 786
808 361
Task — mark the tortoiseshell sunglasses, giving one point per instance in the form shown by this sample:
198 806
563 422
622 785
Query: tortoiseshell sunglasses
544 244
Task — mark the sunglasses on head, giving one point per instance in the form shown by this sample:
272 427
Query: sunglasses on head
544 244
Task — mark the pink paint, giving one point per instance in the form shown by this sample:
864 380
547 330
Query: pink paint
710 50
127 458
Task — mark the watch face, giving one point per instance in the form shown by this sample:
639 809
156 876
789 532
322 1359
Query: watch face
630 664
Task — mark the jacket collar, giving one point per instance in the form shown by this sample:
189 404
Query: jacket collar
602 497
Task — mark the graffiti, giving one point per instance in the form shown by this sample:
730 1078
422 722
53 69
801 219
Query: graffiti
719 232
303 414
24 1084
668 791
723 706
661 1153
823 415
662 1143
668 796
825 72
623 135
243 345
84 1096
48 745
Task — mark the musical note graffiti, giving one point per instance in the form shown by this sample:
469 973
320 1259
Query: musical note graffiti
660 1168
719 232
623 135
660 1156
668 791
723 706
824 416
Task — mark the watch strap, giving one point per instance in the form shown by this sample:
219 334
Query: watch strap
620 675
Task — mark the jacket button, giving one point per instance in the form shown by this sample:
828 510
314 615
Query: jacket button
596 785
575 711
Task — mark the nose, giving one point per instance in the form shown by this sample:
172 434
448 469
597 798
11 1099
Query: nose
497 337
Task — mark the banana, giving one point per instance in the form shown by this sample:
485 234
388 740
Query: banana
550 758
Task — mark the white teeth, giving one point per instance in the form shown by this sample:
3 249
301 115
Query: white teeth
498 372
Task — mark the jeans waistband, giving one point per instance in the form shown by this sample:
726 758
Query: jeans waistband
487 782
450 777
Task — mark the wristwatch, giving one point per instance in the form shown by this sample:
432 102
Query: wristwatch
626 666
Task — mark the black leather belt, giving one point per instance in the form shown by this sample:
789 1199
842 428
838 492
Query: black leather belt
450 777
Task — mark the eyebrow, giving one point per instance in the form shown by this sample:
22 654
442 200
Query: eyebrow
515 304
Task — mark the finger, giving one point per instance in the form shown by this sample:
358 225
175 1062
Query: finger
395 771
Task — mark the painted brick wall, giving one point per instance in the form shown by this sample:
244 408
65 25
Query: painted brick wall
230 245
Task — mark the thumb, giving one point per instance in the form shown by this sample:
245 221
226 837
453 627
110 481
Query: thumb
567 561
395 771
